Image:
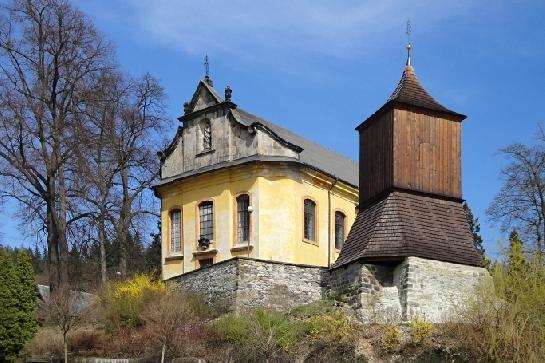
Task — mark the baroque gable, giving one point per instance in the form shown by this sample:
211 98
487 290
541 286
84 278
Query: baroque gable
214 134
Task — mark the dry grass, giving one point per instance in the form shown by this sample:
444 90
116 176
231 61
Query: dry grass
505 322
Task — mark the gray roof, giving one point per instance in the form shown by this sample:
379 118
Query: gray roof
313 154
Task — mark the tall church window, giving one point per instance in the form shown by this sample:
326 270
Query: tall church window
243 218
206 220
309 228
339 230
175 231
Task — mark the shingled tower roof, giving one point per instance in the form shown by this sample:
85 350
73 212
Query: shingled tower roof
410 182
406 224
409 91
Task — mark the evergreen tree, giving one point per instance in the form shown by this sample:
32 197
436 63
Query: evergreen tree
516 263
36 259
8 348
26 291
475 228
153 251
17 303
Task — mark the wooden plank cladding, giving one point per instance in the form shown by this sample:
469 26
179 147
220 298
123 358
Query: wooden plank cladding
410 148
376 156
410 183
427 153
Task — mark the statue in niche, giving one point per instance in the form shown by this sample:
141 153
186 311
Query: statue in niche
206 136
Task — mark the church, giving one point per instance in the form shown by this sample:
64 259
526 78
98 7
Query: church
256 215
233 184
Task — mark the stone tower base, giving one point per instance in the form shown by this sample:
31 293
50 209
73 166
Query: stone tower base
415 288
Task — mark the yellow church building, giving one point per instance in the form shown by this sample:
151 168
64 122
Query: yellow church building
233 184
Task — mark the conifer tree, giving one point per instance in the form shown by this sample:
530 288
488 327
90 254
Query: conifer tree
475 228
17 303
7 308
516 263
26 293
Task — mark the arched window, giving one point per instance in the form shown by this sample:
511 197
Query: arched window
206 220
243 218
206 135
309 228
339 230
175 231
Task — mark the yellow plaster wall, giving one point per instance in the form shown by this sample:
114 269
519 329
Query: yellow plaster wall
276 226
281 217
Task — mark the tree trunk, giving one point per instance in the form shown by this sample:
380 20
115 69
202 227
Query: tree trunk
124 222
52 238
163 351
65 350
61 227
102 242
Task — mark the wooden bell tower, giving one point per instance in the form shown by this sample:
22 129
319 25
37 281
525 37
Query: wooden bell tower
410 182
411 143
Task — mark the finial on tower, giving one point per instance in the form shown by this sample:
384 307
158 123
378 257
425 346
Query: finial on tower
207 70
408 46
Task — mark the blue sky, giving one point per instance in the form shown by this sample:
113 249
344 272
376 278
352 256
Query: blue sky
321 67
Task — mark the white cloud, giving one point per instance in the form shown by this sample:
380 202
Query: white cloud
253 29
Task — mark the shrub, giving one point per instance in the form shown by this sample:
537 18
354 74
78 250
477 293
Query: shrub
334 326
170 318
506 322
47 343
339 353
87 341
130 343
320 307
235 329
259 335
420 331
123 302
329 334
390 338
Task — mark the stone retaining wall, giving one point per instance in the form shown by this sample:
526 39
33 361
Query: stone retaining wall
242 283
434 290
217 284
369 289
414 288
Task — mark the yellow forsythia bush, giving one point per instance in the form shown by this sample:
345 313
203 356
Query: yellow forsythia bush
335 326
390 338
123 301
420 331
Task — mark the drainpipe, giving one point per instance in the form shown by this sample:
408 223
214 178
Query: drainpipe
329 221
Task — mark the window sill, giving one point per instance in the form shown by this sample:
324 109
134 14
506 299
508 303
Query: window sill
205 253
205 152
174 258
244 246
310 242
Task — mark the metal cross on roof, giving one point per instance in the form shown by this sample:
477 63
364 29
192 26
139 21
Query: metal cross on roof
206 67
408 31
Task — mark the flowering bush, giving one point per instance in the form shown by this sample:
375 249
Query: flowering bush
123 301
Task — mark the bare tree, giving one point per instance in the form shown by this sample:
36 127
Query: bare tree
136 133
169 318
120 164
50 55
520 203
97 160
67 310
